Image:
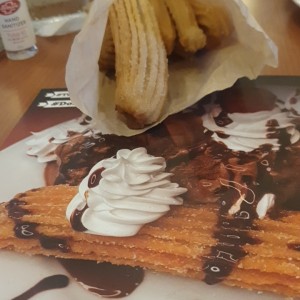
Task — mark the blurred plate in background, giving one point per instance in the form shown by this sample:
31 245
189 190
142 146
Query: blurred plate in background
57 17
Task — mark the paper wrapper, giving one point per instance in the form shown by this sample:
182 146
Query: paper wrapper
245 53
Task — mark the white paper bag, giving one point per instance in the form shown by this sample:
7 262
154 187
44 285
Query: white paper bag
243 55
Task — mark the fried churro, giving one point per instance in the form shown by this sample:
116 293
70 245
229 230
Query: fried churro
214 20
141 62
166 25
107 55
182 242
191 37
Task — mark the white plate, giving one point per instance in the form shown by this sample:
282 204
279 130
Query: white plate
18 273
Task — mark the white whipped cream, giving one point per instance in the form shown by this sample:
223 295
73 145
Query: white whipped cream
132 190
248 131
264 204
44 143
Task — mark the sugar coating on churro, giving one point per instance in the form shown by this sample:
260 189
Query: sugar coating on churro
141 62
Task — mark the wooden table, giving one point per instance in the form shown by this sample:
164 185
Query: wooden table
280 19
20 81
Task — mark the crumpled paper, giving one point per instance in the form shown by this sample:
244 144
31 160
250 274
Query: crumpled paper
243 55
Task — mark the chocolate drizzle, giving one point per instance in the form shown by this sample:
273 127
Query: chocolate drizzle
295 247
234 223
237 208
28 230
15 209
86 152
53 243
25 230
222 119
231 235
75 219
46 284
86 120
95 178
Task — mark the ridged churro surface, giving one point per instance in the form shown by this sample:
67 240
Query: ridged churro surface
141 62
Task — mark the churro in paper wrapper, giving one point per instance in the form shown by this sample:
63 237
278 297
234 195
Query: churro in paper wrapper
244 54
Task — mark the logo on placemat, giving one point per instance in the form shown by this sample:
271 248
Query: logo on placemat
9 7
50 98
57 95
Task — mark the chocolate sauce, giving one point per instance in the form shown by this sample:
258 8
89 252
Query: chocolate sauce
95 178
105 279
231 235
90 151
25 230
222 135
82 153
46 284
86 121
53 243
222 119
28 230
292 204
294 247
15 210
222 261
75 219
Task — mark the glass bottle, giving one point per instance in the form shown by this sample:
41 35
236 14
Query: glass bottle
17 30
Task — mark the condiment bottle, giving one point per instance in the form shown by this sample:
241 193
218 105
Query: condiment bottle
17 30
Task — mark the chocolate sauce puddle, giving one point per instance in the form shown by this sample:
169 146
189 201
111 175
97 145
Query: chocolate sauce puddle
105 279
46 284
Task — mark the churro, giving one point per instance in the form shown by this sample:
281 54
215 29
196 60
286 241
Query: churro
107 55
191 37
214 20
266 257
141 62
166 25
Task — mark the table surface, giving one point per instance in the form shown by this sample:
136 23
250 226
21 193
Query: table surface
20 81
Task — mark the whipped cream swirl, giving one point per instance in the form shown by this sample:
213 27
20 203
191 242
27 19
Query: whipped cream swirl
122 193
44 143
249 131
